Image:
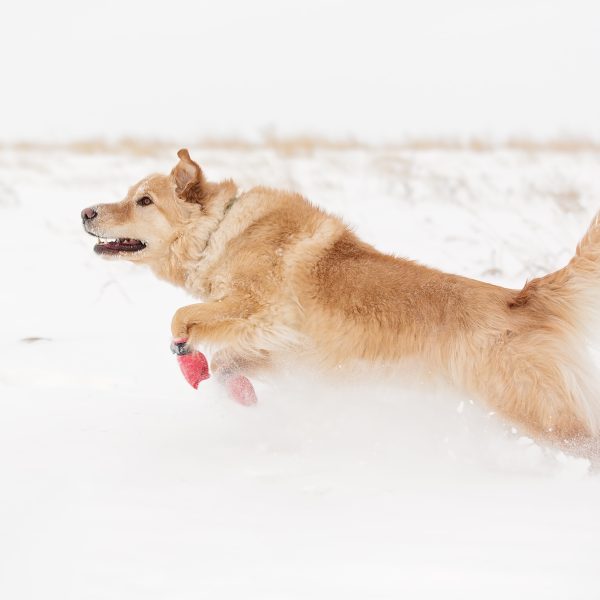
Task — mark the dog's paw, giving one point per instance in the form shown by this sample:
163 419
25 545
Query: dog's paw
179 346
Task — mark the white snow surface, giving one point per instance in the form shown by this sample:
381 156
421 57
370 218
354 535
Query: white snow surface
119 481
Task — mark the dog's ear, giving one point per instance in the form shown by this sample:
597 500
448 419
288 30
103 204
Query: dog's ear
190 184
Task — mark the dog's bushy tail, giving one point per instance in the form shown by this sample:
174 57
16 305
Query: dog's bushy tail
586 262
579 283
567 302
573 291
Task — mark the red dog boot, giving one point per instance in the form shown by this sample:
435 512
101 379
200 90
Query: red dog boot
240 389
193 364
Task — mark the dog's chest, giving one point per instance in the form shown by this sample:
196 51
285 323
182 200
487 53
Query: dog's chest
207 283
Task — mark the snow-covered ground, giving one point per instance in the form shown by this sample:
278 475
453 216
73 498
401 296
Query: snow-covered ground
118 481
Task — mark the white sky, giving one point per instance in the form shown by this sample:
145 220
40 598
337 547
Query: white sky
368 69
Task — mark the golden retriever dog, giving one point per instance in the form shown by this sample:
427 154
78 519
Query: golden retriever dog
278 277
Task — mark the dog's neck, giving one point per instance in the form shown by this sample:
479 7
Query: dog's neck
189 248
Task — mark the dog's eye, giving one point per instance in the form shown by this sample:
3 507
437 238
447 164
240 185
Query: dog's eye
144 201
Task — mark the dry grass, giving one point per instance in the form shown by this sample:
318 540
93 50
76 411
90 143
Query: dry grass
306 145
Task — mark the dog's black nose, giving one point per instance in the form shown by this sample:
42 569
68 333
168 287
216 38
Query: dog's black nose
87 214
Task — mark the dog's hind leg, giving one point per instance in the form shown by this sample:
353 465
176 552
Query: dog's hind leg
539 383
562 312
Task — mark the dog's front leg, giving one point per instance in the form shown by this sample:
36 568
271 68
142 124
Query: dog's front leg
228 362
232 370
224 322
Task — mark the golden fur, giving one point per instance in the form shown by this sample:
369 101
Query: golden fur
278 276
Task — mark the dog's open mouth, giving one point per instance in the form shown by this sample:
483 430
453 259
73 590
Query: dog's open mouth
114 246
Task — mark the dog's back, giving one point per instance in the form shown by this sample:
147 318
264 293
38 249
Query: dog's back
522 351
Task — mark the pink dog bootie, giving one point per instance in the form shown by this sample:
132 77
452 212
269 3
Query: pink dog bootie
193 364
240 389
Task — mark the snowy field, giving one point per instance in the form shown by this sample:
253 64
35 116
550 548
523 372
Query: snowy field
118 481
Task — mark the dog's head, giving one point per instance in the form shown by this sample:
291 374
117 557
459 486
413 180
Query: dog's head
156 212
